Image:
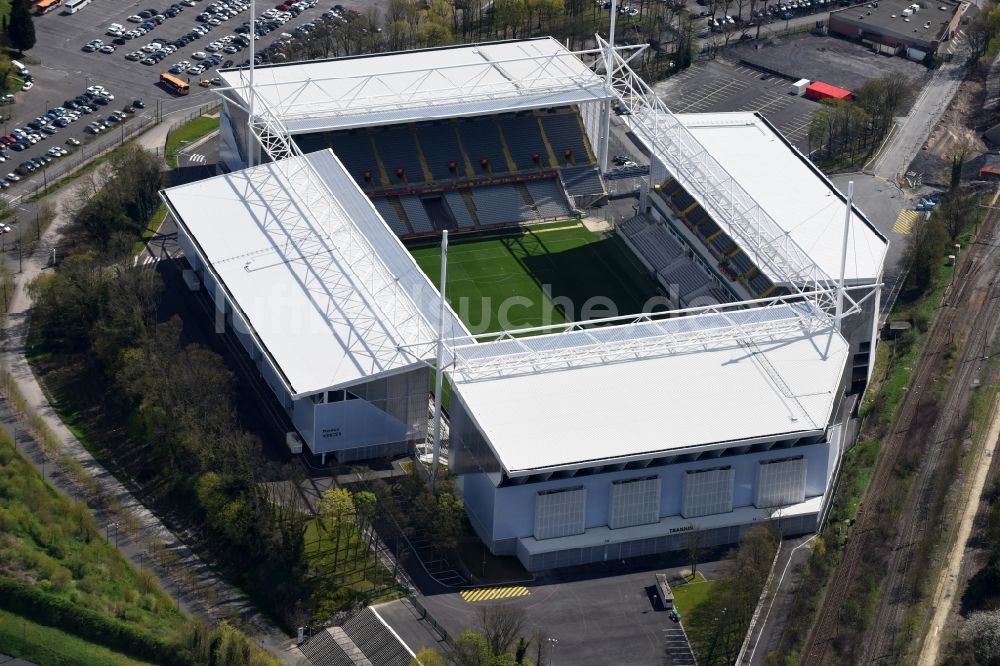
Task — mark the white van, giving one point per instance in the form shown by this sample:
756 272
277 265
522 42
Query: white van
21 69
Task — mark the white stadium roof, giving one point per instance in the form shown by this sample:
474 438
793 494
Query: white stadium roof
795 194
418 85
324 285
636 409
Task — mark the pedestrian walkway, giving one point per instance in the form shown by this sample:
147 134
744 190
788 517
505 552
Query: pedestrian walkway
493 593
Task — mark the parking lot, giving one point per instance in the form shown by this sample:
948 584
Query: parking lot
721 86
598 614
65 70
830 59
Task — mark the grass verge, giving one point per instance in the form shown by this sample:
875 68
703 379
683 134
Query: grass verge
154 223
22 638
187 133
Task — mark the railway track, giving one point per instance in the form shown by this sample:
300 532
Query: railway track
898 589
970 312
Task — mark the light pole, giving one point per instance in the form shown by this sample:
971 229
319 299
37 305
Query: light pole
552 647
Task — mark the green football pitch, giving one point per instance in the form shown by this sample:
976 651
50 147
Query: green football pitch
538 276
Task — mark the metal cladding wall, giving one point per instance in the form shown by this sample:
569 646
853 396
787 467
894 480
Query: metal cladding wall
661 544
508 511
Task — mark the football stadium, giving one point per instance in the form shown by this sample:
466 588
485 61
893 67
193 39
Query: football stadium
613 384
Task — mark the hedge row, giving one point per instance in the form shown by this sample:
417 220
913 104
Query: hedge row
22 599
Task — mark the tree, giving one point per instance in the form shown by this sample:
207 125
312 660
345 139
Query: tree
21 26
366 505
541 646
957 211
979 32
428 657
924 249
336 507
500 626
693 550
449 514
469 649
982 634
521 651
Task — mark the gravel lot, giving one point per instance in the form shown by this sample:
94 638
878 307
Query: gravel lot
830 59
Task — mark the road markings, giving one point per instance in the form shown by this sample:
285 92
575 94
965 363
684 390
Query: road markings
905 222
196 157
490 593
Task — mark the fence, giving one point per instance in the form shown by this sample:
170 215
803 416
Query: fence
425 615
70 164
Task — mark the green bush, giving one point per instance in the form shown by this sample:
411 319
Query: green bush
22 599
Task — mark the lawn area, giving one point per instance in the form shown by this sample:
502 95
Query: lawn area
691 595
687 599
187 133
537 277
45 645
4 11
345 570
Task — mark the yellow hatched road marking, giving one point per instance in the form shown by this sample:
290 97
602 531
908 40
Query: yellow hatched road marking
488 593
906 221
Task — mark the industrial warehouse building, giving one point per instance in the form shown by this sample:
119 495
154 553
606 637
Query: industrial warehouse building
900 27
579 442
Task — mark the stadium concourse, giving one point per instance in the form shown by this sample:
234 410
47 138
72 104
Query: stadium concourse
576 435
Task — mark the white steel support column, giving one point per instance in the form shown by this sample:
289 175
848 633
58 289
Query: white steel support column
602 156
839 316
604 131
438 369
644 185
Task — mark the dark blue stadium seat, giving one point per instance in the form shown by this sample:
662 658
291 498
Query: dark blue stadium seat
482 141
440 146
524 139
398 149
564 132
354 149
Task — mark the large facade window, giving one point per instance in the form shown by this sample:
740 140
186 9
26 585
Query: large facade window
634 502
781 482
707 491
560 512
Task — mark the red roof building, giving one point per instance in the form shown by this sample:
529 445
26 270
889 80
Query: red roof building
818 91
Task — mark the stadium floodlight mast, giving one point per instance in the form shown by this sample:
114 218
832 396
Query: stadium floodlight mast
839 315
253 56
438 366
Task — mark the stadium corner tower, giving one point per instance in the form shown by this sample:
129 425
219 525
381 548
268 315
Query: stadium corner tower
578 442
